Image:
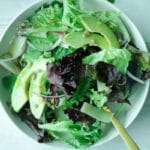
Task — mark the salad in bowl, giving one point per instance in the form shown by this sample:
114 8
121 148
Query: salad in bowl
66 65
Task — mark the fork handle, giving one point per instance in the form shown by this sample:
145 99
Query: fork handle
124 134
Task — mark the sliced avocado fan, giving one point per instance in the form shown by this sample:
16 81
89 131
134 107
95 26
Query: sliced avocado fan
20 93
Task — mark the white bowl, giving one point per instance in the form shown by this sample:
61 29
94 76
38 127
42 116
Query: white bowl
139 92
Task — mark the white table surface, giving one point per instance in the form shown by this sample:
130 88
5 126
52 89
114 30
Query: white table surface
13 139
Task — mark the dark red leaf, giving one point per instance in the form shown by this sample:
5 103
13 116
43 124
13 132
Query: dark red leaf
76 115
109 74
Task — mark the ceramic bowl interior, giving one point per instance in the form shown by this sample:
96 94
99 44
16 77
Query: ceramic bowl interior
138 93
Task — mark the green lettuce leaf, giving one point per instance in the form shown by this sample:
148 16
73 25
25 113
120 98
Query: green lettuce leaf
33 53
144 61
74 133
71 12
43 43
118 57
47 16
97 98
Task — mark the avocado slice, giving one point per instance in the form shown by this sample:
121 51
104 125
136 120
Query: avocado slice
20 93
80 39
10 66
92 24
16 49
37 104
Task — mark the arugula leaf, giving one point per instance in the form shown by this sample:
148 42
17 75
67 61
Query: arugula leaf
9 81
71 11
79 94
60 52
69 18
117 57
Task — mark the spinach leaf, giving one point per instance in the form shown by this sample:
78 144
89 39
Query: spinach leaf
112 1
9 81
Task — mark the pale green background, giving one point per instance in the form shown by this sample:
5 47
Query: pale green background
13 139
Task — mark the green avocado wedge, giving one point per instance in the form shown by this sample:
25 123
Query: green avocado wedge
37 103
92 24
20 93
16 49
80 39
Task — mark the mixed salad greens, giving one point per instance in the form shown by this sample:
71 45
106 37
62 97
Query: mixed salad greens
66 61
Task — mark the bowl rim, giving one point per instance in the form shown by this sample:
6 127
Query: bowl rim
115 8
